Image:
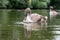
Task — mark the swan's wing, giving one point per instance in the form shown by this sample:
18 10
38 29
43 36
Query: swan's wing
35 17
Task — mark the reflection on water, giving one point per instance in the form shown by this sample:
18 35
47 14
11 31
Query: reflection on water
29 27
26 31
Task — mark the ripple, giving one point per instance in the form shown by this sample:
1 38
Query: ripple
19 23
54 25
56 32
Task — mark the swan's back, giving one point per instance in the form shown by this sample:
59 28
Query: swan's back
35 17
53 13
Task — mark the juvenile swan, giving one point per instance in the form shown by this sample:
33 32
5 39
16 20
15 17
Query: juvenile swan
52 13
34 17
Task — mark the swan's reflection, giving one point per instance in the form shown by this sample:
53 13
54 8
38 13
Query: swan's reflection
28 27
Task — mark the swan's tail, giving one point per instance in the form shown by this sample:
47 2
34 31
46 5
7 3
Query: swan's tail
46 18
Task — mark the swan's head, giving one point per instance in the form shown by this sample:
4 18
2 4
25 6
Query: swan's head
51 8
27 11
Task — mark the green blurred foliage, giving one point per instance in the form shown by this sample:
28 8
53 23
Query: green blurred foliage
13 4
17 4
3 3
35 3
40 3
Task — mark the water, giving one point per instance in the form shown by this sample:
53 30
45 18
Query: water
12 27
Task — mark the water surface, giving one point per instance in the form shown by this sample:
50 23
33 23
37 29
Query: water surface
9 30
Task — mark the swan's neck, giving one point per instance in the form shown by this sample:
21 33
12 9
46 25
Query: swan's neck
28 18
